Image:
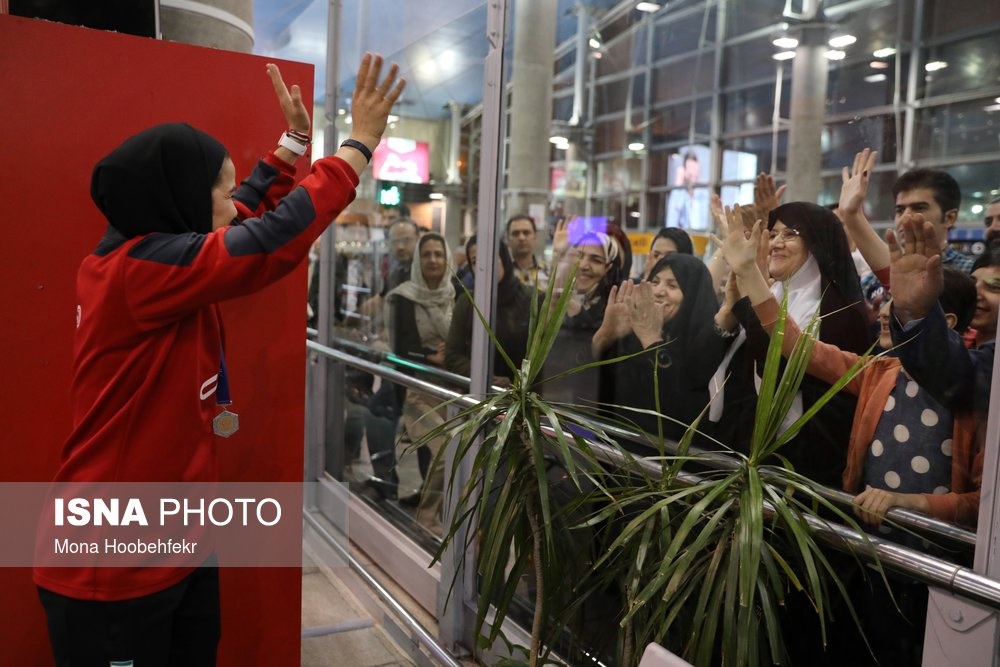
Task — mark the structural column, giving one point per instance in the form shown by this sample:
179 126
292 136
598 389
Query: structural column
808 108
221 24
530 104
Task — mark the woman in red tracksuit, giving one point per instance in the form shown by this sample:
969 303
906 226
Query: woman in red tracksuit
149 350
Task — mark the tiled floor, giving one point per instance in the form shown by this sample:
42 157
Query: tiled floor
328 603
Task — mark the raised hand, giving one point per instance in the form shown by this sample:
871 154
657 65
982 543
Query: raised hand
740 247
766 197
292 106
373 99
915 267
718 216
616 323
646 317
855 182
560 238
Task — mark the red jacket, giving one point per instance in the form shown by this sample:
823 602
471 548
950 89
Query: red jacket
149 341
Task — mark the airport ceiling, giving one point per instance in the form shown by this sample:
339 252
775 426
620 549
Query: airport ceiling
440 45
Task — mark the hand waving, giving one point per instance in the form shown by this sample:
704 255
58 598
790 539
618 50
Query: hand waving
915 267
372 100
766 197
855 187
296 114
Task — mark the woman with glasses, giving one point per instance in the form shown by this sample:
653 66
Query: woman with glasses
809 263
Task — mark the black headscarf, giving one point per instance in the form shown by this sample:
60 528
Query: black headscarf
823 236
680 238
159 180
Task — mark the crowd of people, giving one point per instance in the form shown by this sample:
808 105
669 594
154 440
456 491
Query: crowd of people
899 435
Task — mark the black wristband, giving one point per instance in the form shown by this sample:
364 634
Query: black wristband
357 145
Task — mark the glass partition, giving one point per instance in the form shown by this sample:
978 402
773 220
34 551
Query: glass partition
649 119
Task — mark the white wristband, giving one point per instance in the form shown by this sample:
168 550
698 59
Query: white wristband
291 144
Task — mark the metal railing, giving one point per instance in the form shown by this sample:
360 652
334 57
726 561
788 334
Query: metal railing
921 567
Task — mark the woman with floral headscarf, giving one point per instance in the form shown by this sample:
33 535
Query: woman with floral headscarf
601 263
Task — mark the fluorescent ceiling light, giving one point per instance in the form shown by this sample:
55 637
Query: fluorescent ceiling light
785 42
648 7
878 64
436 195
875 78
636 146
885 53
784 55
990 109
935 65
834 54
840 41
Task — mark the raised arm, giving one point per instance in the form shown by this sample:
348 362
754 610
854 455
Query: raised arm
851 210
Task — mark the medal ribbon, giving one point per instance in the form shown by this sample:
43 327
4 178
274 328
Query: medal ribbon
222 390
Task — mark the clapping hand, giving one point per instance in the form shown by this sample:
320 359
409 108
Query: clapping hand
740 247
646 317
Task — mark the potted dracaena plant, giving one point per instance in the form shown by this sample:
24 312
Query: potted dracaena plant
696 561
705 564
519 522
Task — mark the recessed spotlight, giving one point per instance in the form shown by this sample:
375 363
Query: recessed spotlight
834 54
935 65
840 41
436 195
875 78
648 7
784 55
636 146
885 52
634 214
558 139
785 42
594 43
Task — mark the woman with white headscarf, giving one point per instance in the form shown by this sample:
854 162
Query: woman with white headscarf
418 316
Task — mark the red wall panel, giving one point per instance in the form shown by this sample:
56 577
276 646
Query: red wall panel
70 95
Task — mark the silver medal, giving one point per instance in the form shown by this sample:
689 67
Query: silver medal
226 423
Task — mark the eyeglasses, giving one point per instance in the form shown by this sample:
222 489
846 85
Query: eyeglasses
787 234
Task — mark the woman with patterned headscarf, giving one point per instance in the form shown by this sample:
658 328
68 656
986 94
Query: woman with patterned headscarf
601 263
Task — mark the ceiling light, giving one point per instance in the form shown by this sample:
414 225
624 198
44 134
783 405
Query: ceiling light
784 55
558 139
834 54
436 195
935 65
875 78
648 7
878 64
885 53
840 41
595 40
785 42
997 100
991 108
392 119
635 214
341 112
636 146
